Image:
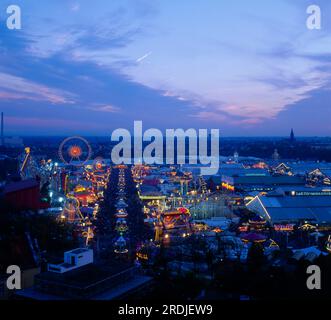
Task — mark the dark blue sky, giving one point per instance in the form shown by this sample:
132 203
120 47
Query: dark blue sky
245 67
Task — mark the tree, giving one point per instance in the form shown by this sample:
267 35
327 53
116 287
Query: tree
256 254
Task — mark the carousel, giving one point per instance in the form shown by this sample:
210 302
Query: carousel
121 213
121 204
253 237
121 225
120 246
257 223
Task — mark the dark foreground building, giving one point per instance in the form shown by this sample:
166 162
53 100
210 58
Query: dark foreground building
23 194
86 280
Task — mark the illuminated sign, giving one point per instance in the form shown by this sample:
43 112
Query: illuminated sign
284 227
227 186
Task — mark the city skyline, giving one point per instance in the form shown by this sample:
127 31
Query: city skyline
249 69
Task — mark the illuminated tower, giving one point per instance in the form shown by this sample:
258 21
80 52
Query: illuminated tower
158 227
183 186
27 165
202 185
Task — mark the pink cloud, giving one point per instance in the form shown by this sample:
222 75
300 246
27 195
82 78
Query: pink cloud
15 96
17 88
46 123
250 121
105 108
219 117
209 115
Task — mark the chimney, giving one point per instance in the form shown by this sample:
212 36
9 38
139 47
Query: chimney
2 128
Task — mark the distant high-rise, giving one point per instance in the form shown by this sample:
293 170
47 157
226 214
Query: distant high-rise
292 137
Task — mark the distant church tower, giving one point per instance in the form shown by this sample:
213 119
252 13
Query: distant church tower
236 157
292 137
275 155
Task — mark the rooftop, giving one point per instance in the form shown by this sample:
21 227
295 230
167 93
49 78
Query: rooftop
262 180
78 251
282 208
85 276
21 185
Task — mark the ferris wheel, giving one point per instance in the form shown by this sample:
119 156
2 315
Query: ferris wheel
71 211
75 151
98 164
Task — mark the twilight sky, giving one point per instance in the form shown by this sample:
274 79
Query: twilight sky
88 67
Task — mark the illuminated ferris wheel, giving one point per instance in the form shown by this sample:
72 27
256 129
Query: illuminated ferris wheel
71 211
98 164
75 151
